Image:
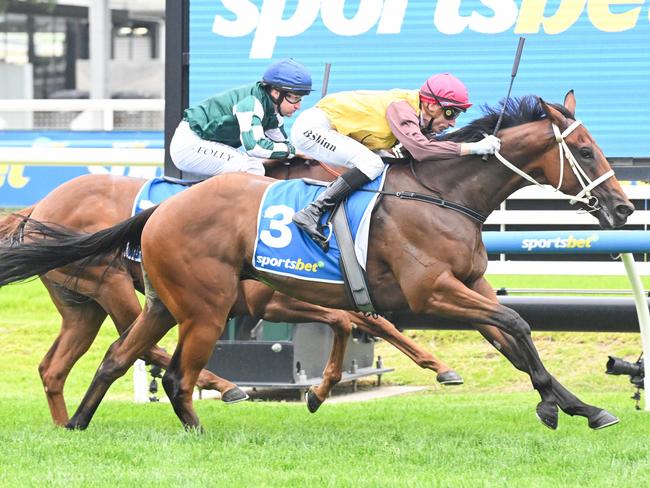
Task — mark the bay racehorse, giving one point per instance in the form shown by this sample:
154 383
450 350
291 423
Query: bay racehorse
428 258
93 202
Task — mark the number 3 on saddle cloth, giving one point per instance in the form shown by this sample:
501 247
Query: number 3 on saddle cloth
282 249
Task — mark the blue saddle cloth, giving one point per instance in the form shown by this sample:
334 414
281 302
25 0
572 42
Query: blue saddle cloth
283 249
153 192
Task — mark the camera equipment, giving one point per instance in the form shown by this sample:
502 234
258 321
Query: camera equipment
635 371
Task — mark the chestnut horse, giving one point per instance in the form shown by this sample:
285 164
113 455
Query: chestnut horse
429 258
93 202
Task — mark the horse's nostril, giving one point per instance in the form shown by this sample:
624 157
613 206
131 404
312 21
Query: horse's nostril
624 210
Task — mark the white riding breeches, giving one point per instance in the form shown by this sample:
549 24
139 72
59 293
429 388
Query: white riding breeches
312 134
195 155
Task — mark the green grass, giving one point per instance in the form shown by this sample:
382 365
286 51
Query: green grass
420 440
483 433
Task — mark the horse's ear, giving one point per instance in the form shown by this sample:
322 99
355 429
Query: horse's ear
570 102
553 114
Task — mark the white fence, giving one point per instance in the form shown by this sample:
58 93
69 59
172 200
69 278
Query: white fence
85 114
92 114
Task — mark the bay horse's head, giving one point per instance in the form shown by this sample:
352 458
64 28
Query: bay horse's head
577 166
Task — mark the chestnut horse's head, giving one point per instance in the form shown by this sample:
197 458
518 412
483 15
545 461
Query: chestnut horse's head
577 166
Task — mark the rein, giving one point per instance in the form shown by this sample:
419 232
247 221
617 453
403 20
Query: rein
437 201
583 196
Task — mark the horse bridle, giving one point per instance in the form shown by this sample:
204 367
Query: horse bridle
587 184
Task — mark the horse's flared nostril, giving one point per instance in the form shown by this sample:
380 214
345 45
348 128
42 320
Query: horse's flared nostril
625 210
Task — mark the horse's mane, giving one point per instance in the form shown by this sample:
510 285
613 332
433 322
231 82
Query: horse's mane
519 110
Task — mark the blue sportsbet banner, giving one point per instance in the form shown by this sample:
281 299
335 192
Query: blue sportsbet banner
22 185
567 242
599 48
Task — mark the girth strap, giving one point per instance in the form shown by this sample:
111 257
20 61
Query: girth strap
353 275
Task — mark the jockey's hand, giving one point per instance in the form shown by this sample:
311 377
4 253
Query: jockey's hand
398 151
487 145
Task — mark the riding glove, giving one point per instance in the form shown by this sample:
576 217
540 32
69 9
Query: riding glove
488 145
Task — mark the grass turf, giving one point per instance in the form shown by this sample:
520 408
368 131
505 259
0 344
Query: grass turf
481 434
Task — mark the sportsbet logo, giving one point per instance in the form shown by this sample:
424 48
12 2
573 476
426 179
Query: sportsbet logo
292 264
273 19
569 242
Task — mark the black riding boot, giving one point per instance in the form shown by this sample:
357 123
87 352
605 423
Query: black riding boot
308 219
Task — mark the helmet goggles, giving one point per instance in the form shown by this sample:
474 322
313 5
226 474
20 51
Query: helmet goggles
450 108
292 98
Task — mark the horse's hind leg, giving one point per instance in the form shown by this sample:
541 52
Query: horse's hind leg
81 320
567 401
207 380
150 326
195 345
198 333
119 299
380 327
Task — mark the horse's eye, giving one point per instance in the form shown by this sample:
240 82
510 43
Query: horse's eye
586 153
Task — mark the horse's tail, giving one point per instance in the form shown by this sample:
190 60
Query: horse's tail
12 225
47 247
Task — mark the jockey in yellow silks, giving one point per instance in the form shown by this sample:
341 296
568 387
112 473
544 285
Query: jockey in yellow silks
352 128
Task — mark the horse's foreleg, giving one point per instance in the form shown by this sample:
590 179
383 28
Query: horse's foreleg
567 401
451 298
386 330
333 372
150 326
79 326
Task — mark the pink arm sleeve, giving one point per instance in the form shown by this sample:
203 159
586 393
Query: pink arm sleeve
405 125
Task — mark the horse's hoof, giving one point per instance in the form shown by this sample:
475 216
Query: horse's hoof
449 378
602 419
313 402
547 414
234 395
196 429
75 426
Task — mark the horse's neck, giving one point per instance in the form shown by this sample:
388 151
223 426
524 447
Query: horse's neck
484 185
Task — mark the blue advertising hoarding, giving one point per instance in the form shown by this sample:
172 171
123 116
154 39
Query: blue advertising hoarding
22 185
599 48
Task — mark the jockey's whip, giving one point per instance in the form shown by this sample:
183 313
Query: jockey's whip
326 79
515 67
323 92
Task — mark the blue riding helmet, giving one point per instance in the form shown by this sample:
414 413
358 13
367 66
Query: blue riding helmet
288 75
